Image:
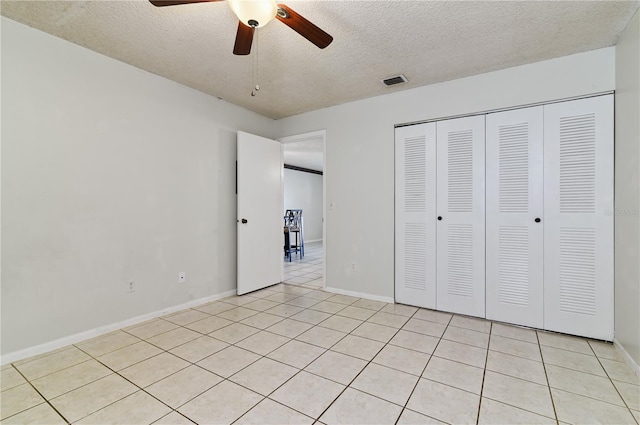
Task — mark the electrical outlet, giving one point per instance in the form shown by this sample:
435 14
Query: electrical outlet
131 287
353 266
182 277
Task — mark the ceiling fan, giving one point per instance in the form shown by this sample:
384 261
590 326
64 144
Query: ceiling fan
253 14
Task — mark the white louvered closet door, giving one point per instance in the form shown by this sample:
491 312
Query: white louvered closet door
514 217
578 211
415 203
461 216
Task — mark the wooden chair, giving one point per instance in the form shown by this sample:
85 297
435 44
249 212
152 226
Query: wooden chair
293 228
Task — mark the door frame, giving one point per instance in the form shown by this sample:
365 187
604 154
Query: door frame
305 137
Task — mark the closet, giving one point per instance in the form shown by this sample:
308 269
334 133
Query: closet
509 216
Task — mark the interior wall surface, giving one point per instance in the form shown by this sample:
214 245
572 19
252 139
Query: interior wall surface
303 191
627 190
110 175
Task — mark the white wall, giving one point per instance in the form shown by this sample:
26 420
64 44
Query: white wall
109 174
304 191
359 152
627 190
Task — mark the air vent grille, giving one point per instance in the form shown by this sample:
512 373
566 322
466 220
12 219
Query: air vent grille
392 81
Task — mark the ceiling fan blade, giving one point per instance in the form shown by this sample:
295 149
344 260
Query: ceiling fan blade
244 38
303 27
162 3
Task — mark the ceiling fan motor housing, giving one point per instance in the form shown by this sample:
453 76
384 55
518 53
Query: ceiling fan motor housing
254 13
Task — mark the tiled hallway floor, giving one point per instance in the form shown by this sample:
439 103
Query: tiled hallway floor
306 271
293 355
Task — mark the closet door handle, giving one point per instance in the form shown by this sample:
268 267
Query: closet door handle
537 220
439 217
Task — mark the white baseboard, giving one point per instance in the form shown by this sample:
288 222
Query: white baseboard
314 240
359 295
627 357
92 333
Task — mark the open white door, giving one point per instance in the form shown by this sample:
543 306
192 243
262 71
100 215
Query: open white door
260 237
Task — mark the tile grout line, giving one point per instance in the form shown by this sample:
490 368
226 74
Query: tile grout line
431 356
510 376
296 374
140 388
484 372
505 374
234 344
56 371
46 400
146 340
223 379
40 356
493 371
359 373
92 357
326 350
299 370
265 356
171 374
500 373
614 385
423 370
289 339
544 367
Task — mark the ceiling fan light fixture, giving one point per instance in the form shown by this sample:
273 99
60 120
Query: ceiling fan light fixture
254 13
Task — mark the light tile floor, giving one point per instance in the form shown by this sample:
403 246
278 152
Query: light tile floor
306 271
295 355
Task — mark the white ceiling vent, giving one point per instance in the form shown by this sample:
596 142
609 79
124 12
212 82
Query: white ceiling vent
392 81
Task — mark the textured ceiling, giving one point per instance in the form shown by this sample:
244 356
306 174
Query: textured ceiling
428 41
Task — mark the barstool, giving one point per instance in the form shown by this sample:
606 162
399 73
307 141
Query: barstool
293 224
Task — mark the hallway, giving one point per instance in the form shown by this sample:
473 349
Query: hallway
308 270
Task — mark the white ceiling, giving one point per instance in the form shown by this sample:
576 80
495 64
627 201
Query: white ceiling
307 154
428 41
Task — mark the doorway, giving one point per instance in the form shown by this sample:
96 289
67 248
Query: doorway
304 189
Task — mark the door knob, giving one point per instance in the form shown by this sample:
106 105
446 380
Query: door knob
439 217
537 220
244 221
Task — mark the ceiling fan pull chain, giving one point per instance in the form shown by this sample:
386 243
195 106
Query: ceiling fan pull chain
256 86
